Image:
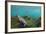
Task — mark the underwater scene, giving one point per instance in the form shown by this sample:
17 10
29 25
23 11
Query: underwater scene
25 16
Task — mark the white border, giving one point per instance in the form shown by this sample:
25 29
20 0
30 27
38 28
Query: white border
24 29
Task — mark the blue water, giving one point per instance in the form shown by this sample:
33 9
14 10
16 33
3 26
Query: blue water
33 11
